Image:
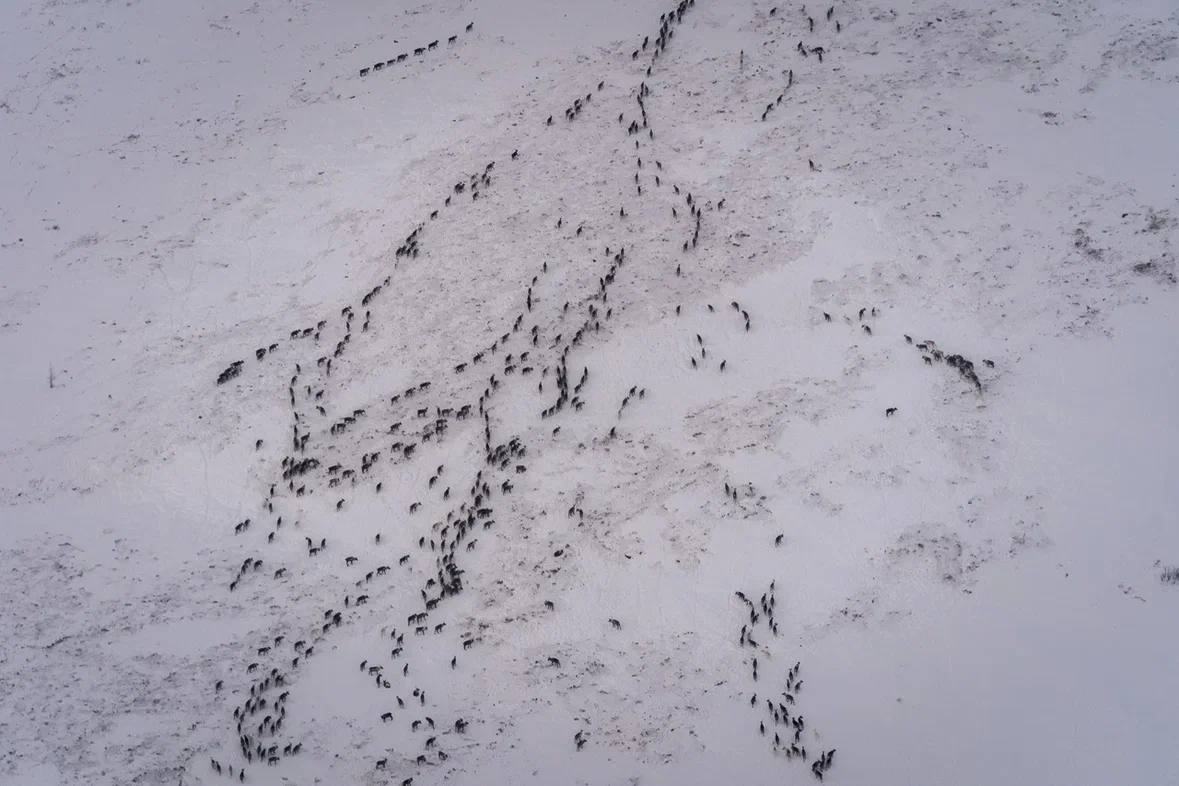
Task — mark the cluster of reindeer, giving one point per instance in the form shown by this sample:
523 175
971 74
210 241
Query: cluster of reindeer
662 39
776 20
701 345
418 52
666 32
231 371
787 724
371 443
810 21
574 109
410 248
931 354
301 474
770 106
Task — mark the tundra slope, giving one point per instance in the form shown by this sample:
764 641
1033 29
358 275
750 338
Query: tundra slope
951 579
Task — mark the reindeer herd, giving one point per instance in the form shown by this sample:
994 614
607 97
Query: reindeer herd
340 453
417 52
787 723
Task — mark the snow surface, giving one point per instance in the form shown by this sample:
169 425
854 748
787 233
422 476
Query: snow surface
975 586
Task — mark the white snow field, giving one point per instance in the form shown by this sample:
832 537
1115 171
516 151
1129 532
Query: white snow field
657 462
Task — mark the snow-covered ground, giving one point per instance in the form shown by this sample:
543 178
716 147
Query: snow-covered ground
975 586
